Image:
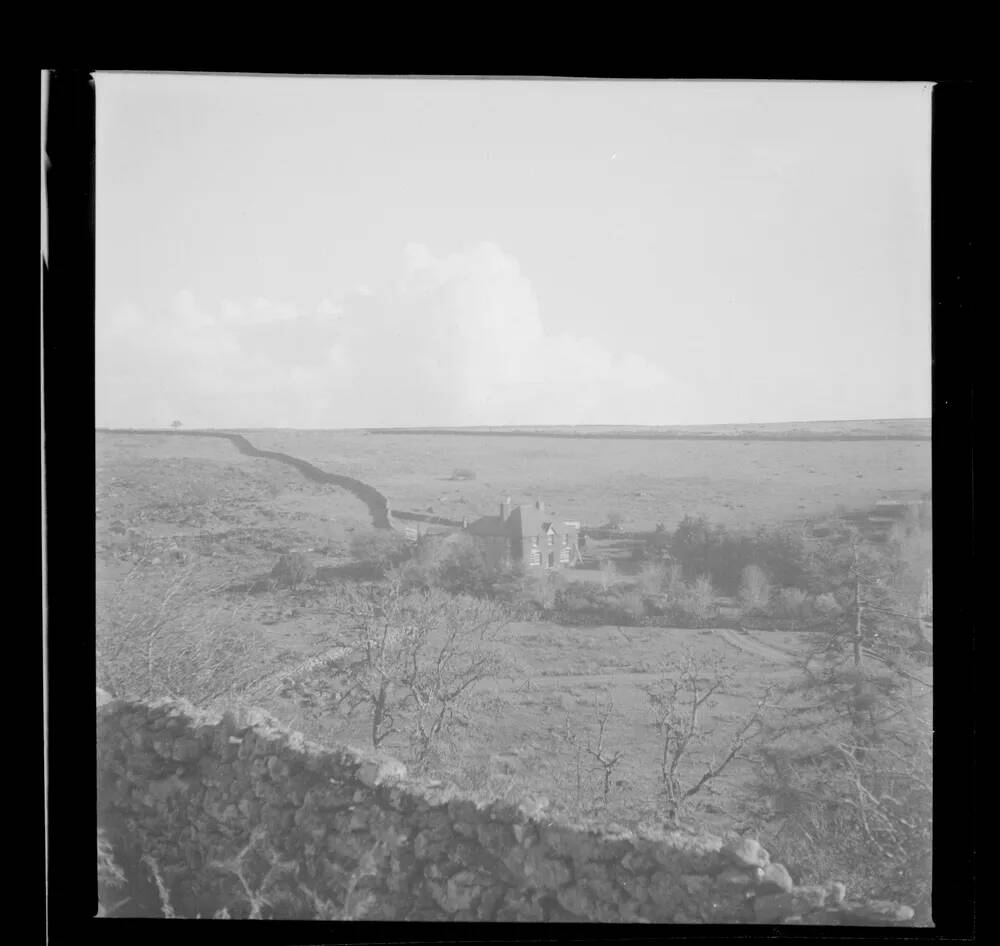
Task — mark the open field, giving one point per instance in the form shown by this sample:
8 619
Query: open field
737 483
168 505
516 745
899 429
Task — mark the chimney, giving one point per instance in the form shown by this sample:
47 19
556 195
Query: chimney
505 509
539 505
465 522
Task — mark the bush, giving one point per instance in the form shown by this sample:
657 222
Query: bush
609 573
691 604
792 603
585 603
459 564
755 590
704 549
652 578
292 569
827 605
383 549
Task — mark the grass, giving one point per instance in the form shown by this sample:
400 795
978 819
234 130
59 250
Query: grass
230 516
733 482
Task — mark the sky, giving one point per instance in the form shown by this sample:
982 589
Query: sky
350 252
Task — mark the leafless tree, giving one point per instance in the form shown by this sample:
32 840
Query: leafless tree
162 632
593 744
676 701
755 589
409 663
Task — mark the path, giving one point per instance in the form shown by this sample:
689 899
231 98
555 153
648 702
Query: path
751 645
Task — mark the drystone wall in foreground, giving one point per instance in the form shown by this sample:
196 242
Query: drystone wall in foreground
212 818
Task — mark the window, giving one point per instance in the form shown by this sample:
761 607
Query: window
534 541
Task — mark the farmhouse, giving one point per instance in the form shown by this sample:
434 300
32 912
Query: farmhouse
527 534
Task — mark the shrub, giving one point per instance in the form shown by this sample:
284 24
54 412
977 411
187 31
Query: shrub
585 603
381 548
609 573
704 549
792 603
755 589
292 569
693 603
652 577
827 605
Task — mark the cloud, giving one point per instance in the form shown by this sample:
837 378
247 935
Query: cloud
457 339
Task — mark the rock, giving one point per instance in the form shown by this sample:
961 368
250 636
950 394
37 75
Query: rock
544 871
277 768
746 853
879 912
773 907
776 879
374 773
186 749
461 891
835 893
734 877
696 884
576 901
664 892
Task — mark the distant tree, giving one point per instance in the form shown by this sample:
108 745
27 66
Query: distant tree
652 576
755 589
615 520
609 573
175 424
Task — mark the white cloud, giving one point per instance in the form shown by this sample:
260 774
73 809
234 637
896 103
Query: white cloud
453 340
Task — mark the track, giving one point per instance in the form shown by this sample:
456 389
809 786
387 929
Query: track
750 645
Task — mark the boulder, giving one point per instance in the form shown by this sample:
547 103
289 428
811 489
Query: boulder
746 852
375 772
776 879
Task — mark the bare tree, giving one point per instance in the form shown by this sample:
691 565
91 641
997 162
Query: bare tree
163 633
410 662
593 744
676 701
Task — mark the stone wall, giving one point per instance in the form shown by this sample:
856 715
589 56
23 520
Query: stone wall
211 816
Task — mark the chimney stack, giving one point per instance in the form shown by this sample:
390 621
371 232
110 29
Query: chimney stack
539 505
505 509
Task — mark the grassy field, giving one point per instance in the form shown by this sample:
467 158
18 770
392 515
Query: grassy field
168 506
737 483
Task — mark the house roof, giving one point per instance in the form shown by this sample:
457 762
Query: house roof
521 521
491 525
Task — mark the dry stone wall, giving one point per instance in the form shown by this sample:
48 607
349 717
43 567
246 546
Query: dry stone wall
212 816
